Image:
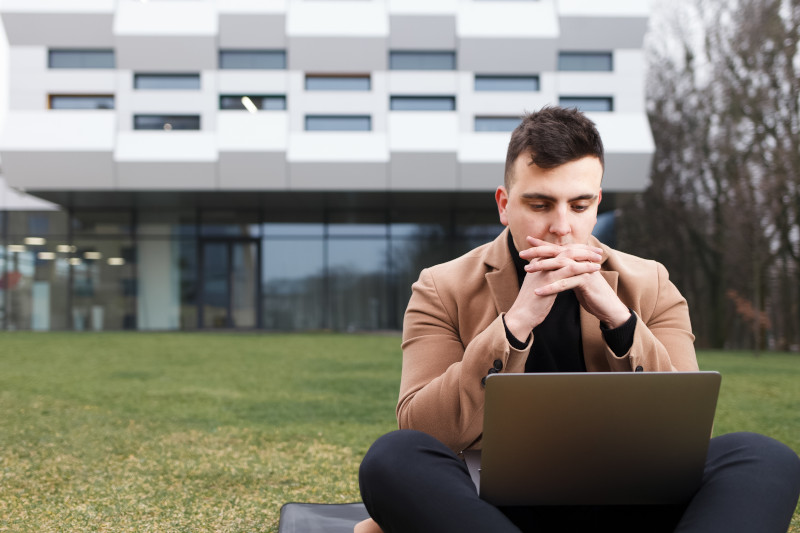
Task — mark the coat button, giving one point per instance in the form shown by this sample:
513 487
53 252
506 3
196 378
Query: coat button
640 368
498 365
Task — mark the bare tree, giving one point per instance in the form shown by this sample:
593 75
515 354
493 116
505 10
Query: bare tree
723 103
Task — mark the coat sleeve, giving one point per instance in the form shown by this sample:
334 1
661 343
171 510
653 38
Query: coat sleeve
663 339
441 390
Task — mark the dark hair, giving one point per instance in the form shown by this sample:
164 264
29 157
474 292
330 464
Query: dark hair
553 136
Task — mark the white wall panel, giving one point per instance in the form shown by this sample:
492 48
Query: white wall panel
63 28
422 82
252 82
421 32
256 28
241 131
423 131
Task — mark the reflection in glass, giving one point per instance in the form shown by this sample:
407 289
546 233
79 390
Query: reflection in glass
103 295
166 122
263 102
357 277
229 284
293 296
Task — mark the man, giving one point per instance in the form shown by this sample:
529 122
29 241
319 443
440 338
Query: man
546 296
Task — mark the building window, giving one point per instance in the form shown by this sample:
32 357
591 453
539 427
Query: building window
422 103
506 83
82 101
80 59
422 60
585 61
166 81
252 59
338 123
315 82
166 122
503 124
270 102
588 103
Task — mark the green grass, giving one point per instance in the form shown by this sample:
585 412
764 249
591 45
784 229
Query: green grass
214 432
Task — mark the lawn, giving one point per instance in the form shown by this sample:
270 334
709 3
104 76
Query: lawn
214 432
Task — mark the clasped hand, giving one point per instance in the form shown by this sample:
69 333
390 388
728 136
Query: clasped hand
556 268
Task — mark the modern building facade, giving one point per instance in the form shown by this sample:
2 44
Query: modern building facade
281 164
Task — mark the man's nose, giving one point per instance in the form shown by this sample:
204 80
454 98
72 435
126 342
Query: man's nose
560 225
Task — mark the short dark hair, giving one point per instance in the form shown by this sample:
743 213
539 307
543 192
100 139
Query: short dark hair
553 136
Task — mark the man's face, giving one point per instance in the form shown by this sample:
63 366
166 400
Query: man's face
558 205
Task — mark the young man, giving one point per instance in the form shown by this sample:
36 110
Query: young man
546 296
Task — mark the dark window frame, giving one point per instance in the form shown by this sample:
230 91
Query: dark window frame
578 54
269 54
332 117
411 98
167 117
94 52
572 101
497 77
254 98
479 118
139 76
331 77
80 97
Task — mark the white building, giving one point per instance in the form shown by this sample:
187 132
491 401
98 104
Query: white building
282 164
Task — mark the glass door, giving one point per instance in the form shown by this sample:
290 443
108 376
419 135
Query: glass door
230 283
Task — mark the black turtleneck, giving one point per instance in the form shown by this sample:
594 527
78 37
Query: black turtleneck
557 345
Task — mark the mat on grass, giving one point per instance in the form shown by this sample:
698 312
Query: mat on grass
321 517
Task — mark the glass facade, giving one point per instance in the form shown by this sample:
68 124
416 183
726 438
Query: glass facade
267 102
338 123
496 123
506 83
337 83
586 61
588 103
422 103
80 59
166 81
270 268
68 101
166 122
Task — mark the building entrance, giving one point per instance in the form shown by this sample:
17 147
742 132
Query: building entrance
230 283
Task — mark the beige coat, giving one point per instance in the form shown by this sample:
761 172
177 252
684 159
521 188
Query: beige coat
453 334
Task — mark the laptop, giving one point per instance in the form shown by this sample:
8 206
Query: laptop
615 438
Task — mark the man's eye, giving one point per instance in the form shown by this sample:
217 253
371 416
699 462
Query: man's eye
580 208
538 207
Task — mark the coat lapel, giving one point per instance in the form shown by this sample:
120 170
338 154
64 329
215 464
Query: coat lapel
593 343
502 275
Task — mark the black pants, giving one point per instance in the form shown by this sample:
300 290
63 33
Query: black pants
411 482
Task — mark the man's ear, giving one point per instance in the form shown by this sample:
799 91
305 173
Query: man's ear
501 197
599 196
